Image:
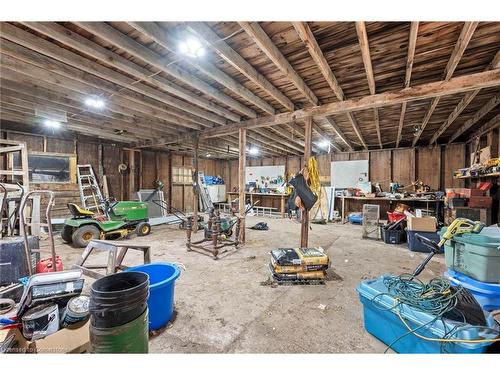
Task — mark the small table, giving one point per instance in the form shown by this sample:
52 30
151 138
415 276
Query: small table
116 254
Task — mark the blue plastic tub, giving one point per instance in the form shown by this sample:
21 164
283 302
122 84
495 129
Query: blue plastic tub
486 294
415 245
385 325
162 278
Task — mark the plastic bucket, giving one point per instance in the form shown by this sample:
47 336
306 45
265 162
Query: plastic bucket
118 299
162 278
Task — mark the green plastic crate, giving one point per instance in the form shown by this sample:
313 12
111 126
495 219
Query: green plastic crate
475 255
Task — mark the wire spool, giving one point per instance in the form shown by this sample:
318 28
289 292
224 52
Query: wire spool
122 167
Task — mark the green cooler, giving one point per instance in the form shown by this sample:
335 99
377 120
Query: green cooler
475 255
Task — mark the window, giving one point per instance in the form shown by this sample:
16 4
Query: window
47 167
182 175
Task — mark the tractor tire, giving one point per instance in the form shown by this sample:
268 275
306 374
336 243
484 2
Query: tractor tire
143 229
66 233
84 234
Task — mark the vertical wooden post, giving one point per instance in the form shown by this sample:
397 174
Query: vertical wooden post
195 184
304 228
131 175
241 179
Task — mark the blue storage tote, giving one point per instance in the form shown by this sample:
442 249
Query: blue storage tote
415 245
475 254
385 325
486 294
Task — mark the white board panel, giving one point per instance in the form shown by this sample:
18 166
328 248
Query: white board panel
254 174
346 174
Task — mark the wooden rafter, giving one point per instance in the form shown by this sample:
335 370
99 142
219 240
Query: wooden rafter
412 42
305 33
204 32
367 61
426 91
267 46
168 41
460 46
495 64
491 104
19 36
490 125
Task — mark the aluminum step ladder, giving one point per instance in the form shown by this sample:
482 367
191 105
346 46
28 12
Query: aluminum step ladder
90 193
205 200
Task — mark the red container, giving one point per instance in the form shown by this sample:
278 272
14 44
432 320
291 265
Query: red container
45 265
467 193
395 216
480 202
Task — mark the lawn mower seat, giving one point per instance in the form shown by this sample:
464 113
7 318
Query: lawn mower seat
77 211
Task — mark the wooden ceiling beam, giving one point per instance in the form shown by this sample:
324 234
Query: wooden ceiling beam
460 46
488 126
307 36
204 32
367 61
116 38
425 91
495 64
412 42
170 42
22 117
43 97
41 67
90 48
491 104
26 39
259 36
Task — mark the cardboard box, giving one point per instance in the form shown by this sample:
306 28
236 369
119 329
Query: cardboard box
74 339
422 224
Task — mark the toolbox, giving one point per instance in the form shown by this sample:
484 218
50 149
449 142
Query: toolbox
475 254
382 321
467 193
480 202
486 294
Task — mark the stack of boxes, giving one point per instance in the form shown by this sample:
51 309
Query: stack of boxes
424 226
300 264
471 204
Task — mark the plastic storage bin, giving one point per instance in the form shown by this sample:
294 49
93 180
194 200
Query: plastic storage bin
393 236
162 278
475 255
486 294
381 322
415 245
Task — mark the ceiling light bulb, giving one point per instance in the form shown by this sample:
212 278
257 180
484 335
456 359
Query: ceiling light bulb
253 151
324 143
51 123
192 47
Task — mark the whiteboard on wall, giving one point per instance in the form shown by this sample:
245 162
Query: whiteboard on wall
347 174
253 174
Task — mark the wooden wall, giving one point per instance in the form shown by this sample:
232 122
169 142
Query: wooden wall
433 165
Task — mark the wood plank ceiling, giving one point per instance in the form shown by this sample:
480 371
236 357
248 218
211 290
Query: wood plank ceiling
252 74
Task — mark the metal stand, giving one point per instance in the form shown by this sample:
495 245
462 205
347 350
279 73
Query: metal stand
216 241
116 254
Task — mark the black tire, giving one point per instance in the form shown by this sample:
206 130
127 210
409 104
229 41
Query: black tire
66 233
84 234
143 229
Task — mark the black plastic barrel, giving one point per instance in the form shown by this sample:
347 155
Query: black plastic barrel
118 299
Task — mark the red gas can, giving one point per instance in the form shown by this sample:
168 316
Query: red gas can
45 265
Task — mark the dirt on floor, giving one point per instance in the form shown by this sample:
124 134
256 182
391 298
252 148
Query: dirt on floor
229 306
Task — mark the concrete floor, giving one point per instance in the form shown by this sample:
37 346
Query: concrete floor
221 306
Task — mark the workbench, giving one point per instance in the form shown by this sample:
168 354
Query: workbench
387 202
275 200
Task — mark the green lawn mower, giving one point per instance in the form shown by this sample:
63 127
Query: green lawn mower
121 219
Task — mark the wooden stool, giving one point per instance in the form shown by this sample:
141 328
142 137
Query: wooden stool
116 254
